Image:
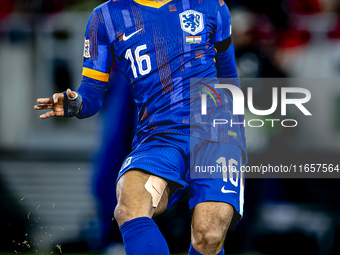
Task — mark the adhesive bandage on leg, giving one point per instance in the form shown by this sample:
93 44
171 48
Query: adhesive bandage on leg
155 186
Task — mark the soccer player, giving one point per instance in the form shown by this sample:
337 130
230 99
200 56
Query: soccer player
160 46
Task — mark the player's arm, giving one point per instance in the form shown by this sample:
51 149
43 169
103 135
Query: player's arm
226 64
225 53
96 68
225 59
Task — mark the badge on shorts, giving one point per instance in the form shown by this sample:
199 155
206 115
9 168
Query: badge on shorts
191 22
87 48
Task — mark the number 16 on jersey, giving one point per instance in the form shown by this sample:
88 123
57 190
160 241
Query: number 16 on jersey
139 60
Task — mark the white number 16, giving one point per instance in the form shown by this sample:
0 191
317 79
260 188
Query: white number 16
139 60
231 169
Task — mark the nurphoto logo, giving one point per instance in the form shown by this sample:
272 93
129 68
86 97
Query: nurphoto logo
238 104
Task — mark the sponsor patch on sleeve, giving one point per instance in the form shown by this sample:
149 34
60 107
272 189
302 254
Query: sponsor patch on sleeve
87 48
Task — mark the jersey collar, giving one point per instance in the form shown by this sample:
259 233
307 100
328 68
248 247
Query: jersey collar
151 3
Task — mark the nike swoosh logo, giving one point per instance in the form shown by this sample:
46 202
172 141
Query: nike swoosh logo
227 191
125 38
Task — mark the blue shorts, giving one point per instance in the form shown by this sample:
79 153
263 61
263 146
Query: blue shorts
198 166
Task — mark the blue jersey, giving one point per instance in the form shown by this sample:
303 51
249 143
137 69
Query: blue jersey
158 47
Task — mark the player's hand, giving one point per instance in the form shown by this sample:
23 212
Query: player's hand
56 104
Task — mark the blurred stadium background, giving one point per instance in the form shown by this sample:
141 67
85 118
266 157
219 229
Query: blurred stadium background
57 176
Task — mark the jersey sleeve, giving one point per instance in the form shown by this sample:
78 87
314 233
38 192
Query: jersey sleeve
97 50
225 54
97 64
222 23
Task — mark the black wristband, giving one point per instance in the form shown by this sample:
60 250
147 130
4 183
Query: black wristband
72 106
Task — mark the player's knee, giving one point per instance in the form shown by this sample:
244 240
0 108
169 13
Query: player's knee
127 210
210 223
122 214
208 237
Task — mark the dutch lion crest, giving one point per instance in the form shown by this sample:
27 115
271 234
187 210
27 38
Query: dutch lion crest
191 21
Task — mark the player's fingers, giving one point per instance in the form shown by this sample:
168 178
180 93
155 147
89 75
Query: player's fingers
57 97
70 93
47 115
45 101
43 107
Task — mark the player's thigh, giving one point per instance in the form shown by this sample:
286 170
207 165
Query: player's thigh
134 200
210 222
